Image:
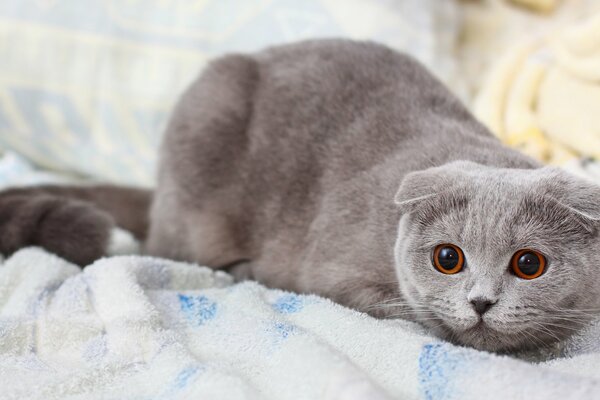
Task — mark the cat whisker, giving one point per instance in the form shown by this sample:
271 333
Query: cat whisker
556 319
592 312
533 340
549 323
391 300
541 328
389 305
431 328
549 319
408 315
571 328
407 306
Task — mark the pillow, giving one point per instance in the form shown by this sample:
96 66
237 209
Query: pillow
87 86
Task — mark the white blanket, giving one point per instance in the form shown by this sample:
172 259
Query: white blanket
133 327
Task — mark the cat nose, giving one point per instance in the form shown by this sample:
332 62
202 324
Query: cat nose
481 305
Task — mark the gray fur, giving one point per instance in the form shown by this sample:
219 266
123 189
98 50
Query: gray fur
335 167
73 222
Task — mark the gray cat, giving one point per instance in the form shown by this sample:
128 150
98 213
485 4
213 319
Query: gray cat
345 169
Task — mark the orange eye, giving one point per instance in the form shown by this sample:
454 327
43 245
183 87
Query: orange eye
528 264
448 259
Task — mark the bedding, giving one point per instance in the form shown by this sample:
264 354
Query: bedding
87 87
134 327
542 96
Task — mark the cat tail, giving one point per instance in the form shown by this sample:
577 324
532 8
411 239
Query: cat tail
74 222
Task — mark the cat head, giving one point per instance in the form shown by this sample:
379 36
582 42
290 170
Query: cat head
499 259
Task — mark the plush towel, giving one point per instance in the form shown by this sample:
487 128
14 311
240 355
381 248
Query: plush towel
132 327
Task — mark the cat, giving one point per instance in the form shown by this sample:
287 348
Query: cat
346 169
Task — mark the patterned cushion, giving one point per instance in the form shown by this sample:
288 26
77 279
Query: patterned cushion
86 86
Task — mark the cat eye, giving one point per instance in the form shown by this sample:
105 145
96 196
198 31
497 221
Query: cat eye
448 259
528 264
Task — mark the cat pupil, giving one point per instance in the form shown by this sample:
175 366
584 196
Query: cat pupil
529 263
448 258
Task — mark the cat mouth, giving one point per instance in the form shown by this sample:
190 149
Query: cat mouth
480 335
480 327
483 337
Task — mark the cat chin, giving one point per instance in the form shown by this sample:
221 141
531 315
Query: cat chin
482 336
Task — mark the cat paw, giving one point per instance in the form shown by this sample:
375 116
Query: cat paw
72 229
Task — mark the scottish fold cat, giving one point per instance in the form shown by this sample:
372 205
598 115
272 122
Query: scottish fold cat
345 169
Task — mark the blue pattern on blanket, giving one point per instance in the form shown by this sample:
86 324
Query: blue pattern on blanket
197 309
185 376
438 365
183 379
289 304
285 330
278 332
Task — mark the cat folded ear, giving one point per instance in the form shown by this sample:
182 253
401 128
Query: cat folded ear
416 187
580 196
420 187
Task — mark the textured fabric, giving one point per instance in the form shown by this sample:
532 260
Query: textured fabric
131 327
543 97
538 5
17 171
87 86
